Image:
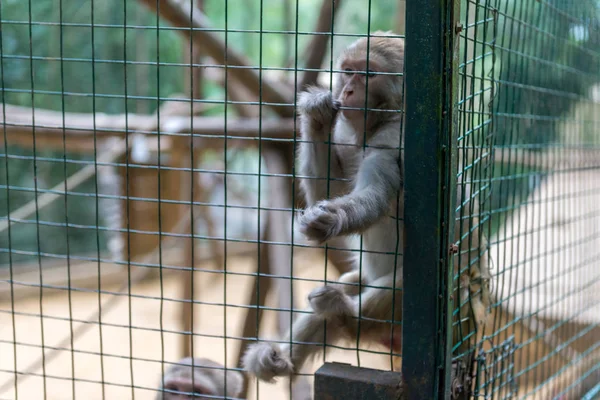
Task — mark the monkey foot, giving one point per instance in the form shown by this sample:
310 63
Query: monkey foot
322 221
330 302
266 361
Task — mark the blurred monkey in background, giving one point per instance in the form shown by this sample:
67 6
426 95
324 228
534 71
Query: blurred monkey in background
204 380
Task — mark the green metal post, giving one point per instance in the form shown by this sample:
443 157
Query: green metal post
430 192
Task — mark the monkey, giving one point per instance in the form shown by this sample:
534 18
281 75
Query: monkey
364 170
202 379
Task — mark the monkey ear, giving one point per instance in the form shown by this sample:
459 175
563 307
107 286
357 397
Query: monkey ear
235 382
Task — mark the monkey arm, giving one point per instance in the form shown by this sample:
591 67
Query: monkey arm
318 159
318 162
377 184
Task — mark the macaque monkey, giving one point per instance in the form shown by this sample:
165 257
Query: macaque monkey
365 196
205 380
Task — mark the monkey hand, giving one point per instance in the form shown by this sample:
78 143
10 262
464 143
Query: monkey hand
318 106
330 302
266 361
323 221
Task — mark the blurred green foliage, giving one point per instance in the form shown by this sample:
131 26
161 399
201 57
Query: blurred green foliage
86 65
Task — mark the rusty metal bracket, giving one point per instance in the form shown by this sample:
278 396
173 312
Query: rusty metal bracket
460 383
337 381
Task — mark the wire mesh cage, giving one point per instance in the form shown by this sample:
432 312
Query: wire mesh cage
529 74
150 195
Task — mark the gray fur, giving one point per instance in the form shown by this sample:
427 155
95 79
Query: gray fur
360 159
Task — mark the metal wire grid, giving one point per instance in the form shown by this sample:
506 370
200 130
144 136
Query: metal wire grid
529 130
47 50
476 91
497 167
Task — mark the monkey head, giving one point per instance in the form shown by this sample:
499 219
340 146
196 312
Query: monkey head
385 54
204 380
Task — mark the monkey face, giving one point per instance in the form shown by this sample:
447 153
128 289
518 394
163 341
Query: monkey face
376 84
363 88
197 388
356 92
203 381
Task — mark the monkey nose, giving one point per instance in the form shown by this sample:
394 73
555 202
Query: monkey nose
349 93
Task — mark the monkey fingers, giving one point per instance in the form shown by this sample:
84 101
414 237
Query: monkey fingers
329 302
322 221
267 361
318 105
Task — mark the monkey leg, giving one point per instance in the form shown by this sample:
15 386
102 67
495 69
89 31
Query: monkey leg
331 302
349 282
343 258
341 312
371 312
269 360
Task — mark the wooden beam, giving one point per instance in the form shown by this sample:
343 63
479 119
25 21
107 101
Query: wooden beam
551 159
80 129
261 285
194 55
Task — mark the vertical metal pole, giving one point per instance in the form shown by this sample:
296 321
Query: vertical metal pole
430 192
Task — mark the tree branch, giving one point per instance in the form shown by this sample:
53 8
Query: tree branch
401 17
180 14
318 45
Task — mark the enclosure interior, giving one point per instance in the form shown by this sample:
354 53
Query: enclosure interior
149 190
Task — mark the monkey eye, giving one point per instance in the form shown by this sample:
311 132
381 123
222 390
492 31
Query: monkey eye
372 74
348 71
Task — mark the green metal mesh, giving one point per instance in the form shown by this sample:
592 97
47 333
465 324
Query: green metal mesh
95 275
76 320
528 134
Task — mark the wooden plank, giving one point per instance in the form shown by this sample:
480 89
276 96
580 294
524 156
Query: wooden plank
336 381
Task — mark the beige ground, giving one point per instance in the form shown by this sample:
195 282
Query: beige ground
547 268
147 343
